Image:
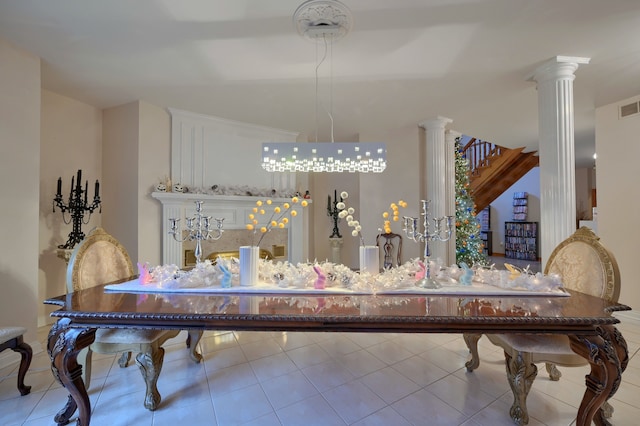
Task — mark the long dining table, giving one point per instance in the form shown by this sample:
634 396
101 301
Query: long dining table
586 320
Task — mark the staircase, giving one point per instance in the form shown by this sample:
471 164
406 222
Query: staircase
494 169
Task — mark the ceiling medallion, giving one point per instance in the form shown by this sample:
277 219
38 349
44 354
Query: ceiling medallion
323 21
322 18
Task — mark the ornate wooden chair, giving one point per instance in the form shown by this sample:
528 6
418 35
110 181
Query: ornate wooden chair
391 253
11 338
99 259
585 265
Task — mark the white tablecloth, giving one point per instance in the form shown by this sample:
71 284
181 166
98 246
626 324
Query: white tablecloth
475 289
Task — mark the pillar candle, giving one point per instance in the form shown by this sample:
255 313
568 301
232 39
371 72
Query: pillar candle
97 192
59 191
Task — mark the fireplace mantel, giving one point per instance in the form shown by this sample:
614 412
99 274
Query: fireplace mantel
235 211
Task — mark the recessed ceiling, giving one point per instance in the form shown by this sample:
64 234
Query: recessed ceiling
403 61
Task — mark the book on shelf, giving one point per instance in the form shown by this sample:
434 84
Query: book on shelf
521 240
520 202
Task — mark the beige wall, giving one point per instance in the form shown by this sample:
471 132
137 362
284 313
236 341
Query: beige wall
370 194
20 190
71 139
136 155
584 184
401 180
618 195
120 136
154 164
325 184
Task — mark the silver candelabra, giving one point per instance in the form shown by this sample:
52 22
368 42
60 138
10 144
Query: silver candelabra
442 228
198 229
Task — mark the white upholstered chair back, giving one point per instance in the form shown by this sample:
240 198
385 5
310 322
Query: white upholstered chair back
585 265
98 259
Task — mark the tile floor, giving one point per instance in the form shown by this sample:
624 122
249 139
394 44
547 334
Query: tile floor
278 378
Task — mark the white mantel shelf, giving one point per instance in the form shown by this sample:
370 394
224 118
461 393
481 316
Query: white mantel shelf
235 210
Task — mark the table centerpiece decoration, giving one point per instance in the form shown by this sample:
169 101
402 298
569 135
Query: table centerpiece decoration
369 255
249 255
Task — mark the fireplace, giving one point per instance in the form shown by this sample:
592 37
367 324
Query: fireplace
288 244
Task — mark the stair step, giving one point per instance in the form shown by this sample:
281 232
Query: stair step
498 173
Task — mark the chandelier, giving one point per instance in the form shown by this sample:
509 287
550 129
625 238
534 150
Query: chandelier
323 21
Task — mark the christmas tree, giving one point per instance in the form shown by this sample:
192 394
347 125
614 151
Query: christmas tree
469 245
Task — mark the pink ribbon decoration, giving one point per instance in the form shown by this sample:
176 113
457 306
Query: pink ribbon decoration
141 299
421 272
145 276
321 305
321 280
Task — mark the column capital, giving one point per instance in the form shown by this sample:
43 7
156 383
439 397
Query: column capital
436 122
452 133
557 68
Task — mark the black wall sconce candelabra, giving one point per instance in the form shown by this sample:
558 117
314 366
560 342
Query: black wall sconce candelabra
77 207
332 211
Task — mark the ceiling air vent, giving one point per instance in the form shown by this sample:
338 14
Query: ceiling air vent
630 109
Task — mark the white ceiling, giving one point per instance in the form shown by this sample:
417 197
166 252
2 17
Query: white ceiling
403 62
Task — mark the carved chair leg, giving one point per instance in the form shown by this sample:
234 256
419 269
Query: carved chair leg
552 370
26 354
472 343
521 372
123 361
150 364
193 340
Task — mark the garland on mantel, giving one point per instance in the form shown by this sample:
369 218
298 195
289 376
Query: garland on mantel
238 190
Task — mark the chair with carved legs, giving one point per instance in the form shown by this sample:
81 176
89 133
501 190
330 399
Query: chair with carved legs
11 338
99 259
584 265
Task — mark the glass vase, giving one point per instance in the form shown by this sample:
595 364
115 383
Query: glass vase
249 256
370 259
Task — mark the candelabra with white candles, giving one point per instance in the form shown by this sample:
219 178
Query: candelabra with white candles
198 229
441 231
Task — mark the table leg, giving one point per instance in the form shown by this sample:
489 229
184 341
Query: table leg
63 346
608 356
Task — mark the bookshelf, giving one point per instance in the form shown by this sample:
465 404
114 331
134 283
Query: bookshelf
520 201
521 240
484 218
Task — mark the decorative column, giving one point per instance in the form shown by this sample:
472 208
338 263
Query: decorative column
556 150
436 177
336 249
450 142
